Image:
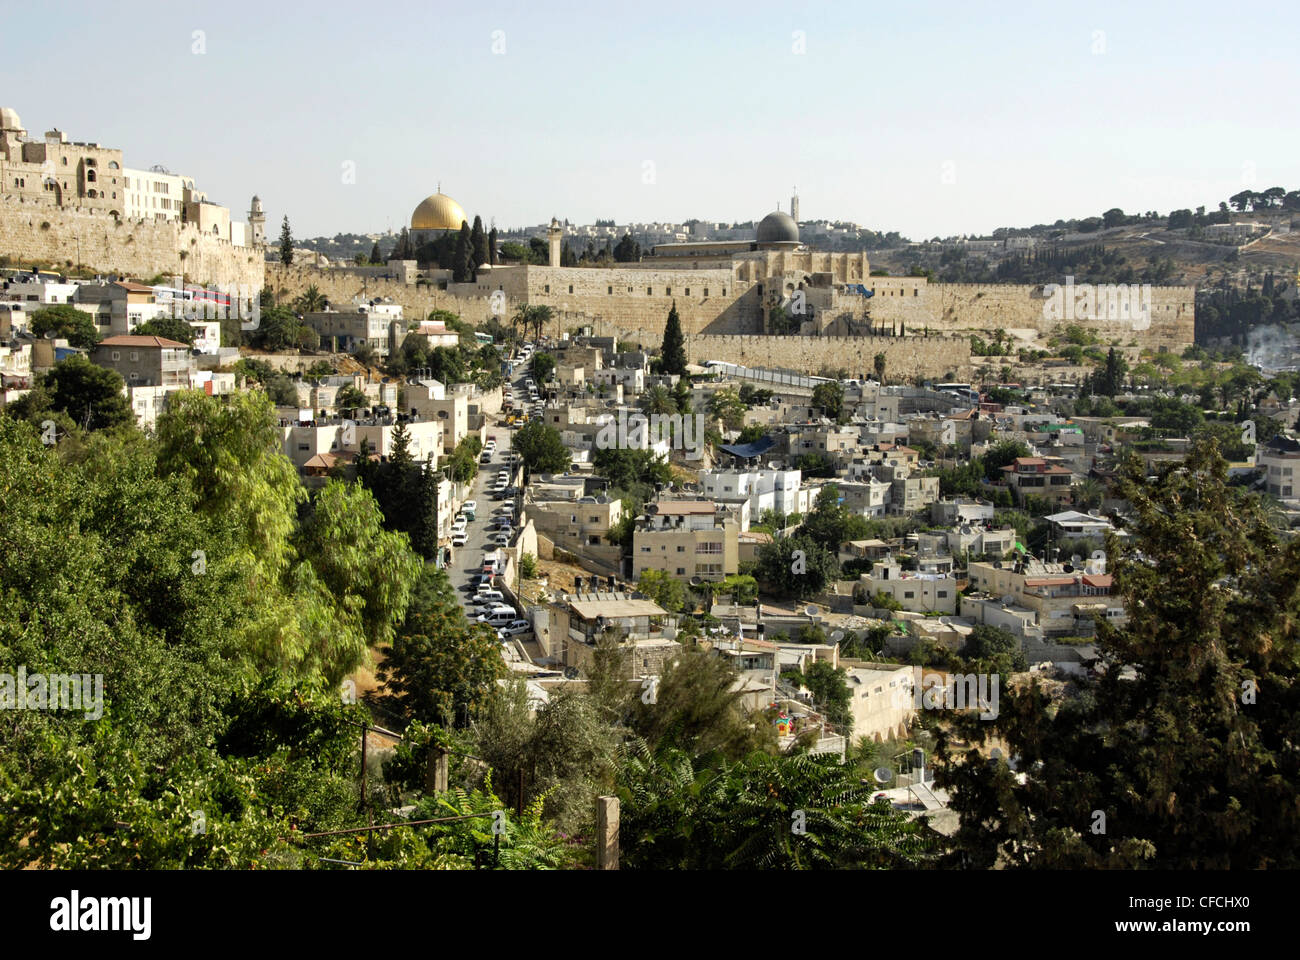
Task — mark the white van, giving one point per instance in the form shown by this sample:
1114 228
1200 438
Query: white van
499 617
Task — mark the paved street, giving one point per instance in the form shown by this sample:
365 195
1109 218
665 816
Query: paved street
467 560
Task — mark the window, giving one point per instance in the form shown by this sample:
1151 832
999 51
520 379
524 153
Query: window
908 594
571 288
548 288
117 355
668 291
943 594
681 571
681 549
611 290
688 291
135 355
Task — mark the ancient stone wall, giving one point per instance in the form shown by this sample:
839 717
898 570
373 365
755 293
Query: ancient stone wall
633 302
35 232
905 357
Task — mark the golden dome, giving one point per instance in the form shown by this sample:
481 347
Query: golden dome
438 212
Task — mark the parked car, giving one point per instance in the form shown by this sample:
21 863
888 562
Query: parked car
502 539
488 595
515 627
459 538
469 506
498 618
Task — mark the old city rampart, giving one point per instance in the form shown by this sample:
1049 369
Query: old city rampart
35 232
715 307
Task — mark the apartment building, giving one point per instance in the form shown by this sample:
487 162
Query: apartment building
1065 600
917 591
1280 461
147 361
685 539
764 489
1034 476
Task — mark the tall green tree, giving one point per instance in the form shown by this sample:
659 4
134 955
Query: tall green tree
286 243
1185 744
90 395
492 247
673 352
541 448
479 242
440 668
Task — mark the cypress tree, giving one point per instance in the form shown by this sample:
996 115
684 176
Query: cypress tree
286 243
463 266
478 240
492 247
375 255
673 352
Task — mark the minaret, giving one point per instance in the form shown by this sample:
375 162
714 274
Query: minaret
553 235
794 205
257 222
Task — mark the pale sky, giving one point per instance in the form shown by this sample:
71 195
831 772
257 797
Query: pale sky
926 118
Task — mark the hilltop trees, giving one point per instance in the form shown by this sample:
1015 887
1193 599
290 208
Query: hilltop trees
1180 756
672 354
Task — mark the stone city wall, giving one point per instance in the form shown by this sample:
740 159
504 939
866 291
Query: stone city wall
905 357
35 232
715 302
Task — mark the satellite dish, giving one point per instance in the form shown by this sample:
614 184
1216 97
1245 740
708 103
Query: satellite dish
696 581
837 636
1008 599
1076 559
883 775
811 611
570 673
945 620
995 754
1069 568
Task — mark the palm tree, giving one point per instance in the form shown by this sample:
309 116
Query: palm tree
880 368
659 400
1088 493
310 300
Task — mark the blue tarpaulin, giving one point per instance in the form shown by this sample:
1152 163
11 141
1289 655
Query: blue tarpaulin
747 450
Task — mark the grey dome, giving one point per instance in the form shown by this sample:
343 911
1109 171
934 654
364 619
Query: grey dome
778 227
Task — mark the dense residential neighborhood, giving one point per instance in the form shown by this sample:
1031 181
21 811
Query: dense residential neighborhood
769 544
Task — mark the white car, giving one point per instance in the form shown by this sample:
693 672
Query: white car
459 539
469 506
514 628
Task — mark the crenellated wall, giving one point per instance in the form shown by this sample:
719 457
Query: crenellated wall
37 232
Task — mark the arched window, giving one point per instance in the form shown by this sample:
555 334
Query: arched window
90 176
92 194
112 165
